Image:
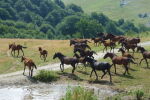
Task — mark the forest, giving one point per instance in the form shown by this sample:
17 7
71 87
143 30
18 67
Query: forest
52 19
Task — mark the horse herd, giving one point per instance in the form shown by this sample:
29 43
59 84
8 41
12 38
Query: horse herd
83 54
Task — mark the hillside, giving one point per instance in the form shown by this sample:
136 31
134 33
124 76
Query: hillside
130 9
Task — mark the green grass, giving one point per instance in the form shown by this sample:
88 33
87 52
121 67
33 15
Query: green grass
79 93
112 8
46 76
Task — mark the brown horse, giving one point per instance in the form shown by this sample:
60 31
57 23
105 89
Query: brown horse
114 38
145 54
74 41
66 60
43 53
124 54
80 59
97 41
82 46
120 61
30 64
110 44
15 47
133 40
128 46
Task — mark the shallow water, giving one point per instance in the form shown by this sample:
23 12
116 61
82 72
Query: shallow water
46 92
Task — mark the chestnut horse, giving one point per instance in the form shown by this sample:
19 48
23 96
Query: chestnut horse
43 53
110 44
120 61
28 63
66 60
15 47
97 41
124 54
145 54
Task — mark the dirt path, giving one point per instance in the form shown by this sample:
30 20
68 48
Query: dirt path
18 78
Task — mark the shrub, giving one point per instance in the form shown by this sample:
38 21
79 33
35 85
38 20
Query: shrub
139 94
79 93
46 76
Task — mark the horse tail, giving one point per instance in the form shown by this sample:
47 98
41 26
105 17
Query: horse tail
24 47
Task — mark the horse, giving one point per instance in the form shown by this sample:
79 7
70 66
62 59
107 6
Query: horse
97 41
66 60
128 46
74 41
133 40
30 64
119 60
87 53
43 53
145 54
81 46
80 59
15 47
124 54
110 44
114 38
103 66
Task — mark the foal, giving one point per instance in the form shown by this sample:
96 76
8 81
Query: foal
15 47
43 53
103 66
30 64
120 61
66 60
145 53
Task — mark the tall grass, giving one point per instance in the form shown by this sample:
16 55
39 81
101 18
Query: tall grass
46 76
79 93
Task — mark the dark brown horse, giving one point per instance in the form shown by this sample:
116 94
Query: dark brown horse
103 66
145 54
110 44
120 61
82 46
128 46
74 41
80 59
43 53
15 47
85 53
125 54
30 64
133 40
66 60
97 41
114 38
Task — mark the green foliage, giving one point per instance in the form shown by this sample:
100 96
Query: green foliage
139 94
79 93
46 76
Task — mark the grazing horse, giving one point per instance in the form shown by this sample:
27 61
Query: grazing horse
97 41
30 64
120 61
82 46
124 54
110 44
43 53
145 54
74 41
66 60
87 53
15 47
103 66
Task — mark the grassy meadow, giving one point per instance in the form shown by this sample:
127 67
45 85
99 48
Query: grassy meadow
112 8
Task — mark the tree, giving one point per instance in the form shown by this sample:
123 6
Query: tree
75 8
4 14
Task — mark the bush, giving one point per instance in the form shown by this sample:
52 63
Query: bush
139 94
46 76
79 93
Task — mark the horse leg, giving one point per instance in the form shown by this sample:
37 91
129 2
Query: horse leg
22 52
11 52
31 72
61 68
14 52
104 73
73 65
146 62
96 75
108 70
141 61
91 72
24 69
115 68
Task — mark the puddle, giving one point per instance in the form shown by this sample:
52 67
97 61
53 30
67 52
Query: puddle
46 92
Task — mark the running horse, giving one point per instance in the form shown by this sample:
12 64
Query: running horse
15 47
43 53
28 63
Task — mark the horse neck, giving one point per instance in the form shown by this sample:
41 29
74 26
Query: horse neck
61 57
112 56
